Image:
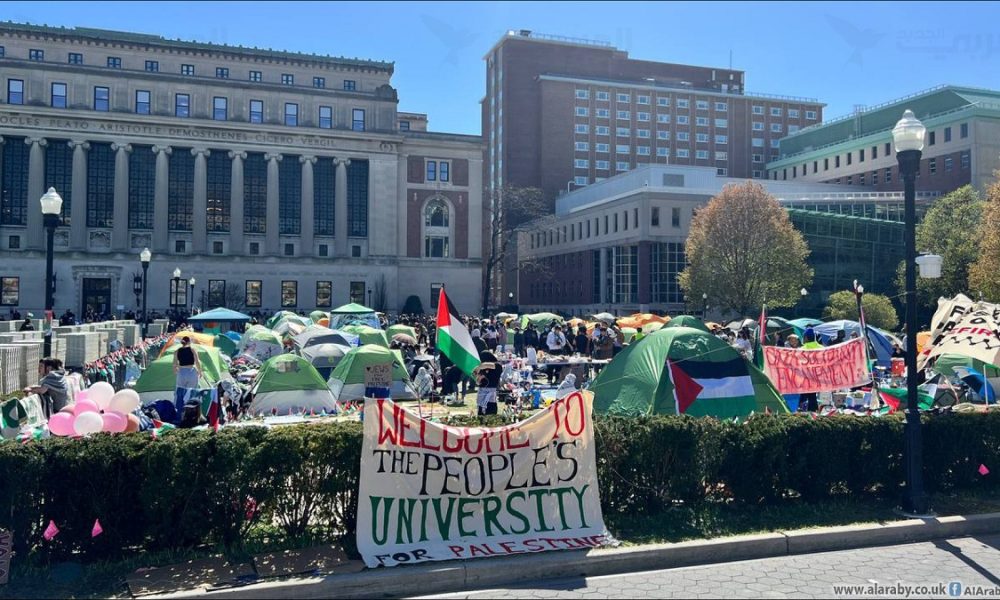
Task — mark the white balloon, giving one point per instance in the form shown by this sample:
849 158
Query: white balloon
124 401
101 393
87 423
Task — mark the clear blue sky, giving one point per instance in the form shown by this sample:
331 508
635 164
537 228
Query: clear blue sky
842 53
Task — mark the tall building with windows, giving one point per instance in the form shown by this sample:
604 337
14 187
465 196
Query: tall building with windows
275 179
962 145
562 113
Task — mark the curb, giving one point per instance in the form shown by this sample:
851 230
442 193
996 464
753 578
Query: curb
455 576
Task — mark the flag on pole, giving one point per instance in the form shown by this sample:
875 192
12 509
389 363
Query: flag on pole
453 338
758 345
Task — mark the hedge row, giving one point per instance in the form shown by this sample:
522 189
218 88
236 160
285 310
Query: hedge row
190 488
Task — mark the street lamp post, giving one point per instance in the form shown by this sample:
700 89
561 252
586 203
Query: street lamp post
370 298
144 257
51 208
908 138
191 281
704 305
137 289
175 290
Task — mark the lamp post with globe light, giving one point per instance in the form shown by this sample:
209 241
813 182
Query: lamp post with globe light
704 306
51 203
908 139
191 282
144 257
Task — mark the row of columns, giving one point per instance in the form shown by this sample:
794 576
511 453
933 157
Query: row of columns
199 234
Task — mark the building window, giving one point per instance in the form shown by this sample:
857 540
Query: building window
874 177
701 105
888 175
357 199
256 111
254 248
358 119
725 156
220 108
581 128
621 165
623 132
324 175
642 133
58 95
180 246
722 171
432 170
701 137
654 216
624 98
287 79
100 185
932 165
811 115
758 110
142 102
602 165
701 154
10 291
581 146
289 249
75 58
662 134
187 69
102 101
222 72
930 138
664 152
289 196
826 164
324 250
874 152
963 130
722 139
757 142
603 96
849 156
219 191
947 134
141 186
775 112
326 117
114 62
256 77
404 125
757 158
582 94
675 216
776 127
443 171
291 114
622 149
663 118
775 143
888 149
793 128
861 179
861 155
722 123
357 291
624 115
324 294
602 147
217 247
180 190
701 121
603 113
815 166
319 82
850 180
355 251
350 85
34 54
642 116
581 111
217 291
182 105
836 162
793 113
683 120
642 150
14 198
153 66
667 260
964 159
253 293
683 153
758 174
255 193
663 101
642 100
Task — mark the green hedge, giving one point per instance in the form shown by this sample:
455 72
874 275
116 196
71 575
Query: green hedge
194 488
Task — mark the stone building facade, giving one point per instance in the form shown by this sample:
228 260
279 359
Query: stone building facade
286 179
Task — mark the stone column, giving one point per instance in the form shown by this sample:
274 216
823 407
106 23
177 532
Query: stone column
78 214
236 203
271 237
308 209
119 232
340 207
199 222
161 205
36 187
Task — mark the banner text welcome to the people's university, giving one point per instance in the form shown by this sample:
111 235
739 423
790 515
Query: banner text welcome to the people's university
433 492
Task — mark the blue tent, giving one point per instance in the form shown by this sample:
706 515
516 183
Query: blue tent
879 340
220 315
233 336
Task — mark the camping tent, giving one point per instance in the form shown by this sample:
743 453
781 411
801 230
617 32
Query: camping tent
352 314
226 344
687 371
291 326
400 328
219 315
324 356
540 320
236 337
322 335
316 315
804 323
277 317
688 321
368 335
158 381
288 383
348 380
200 339
261 344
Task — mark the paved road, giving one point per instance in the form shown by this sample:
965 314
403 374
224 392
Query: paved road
970 561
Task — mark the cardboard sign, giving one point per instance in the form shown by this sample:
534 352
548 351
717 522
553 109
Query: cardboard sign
432 492
6 545
800 371
378 380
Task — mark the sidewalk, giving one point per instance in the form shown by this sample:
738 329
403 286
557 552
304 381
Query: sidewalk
451 576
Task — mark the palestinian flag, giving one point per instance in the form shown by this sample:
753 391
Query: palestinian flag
12 414
896 398
711 383
453 338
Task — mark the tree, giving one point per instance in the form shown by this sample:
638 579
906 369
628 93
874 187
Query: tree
413 306
235 296
984 275
743 250
879 311
379 294
506 208
945 231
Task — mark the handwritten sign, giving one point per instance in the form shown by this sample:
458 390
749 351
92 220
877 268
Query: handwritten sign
433 492
6 545
800 371
378 380
974 333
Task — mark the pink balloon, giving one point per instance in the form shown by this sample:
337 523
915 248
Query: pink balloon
62 424
121 421
81 395
112 422
85 406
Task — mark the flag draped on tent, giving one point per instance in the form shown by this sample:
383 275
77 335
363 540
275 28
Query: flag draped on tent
453 338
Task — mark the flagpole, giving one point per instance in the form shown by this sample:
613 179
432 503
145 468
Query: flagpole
859 291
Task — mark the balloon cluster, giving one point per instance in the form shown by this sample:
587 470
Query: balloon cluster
97 408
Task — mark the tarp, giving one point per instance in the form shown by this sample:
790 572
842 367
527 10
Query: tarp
368 335
201 339
683 370
233 336
220 315
540 320
288 383
352 314
226 344
400 328
688 321
347 382
159 381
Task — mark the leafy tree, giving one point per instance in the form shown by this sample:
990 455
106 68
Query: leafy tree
945 231
235 296
879 310
984 275
743 250
506 208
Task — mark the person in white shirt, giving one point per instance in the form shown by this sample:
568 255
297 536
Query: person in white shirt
556 341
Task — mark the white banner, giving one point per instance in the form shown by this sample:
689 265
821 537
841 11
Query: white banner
973 332
949 312
433 492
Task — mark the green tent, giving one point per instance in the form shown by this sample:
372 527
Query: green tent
687 371
261 343
351 309
288 383
226 344
347 382
629 333
399 328
352 314
946 363
159 381
368 335
540 320
688 321
277 317
316 315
